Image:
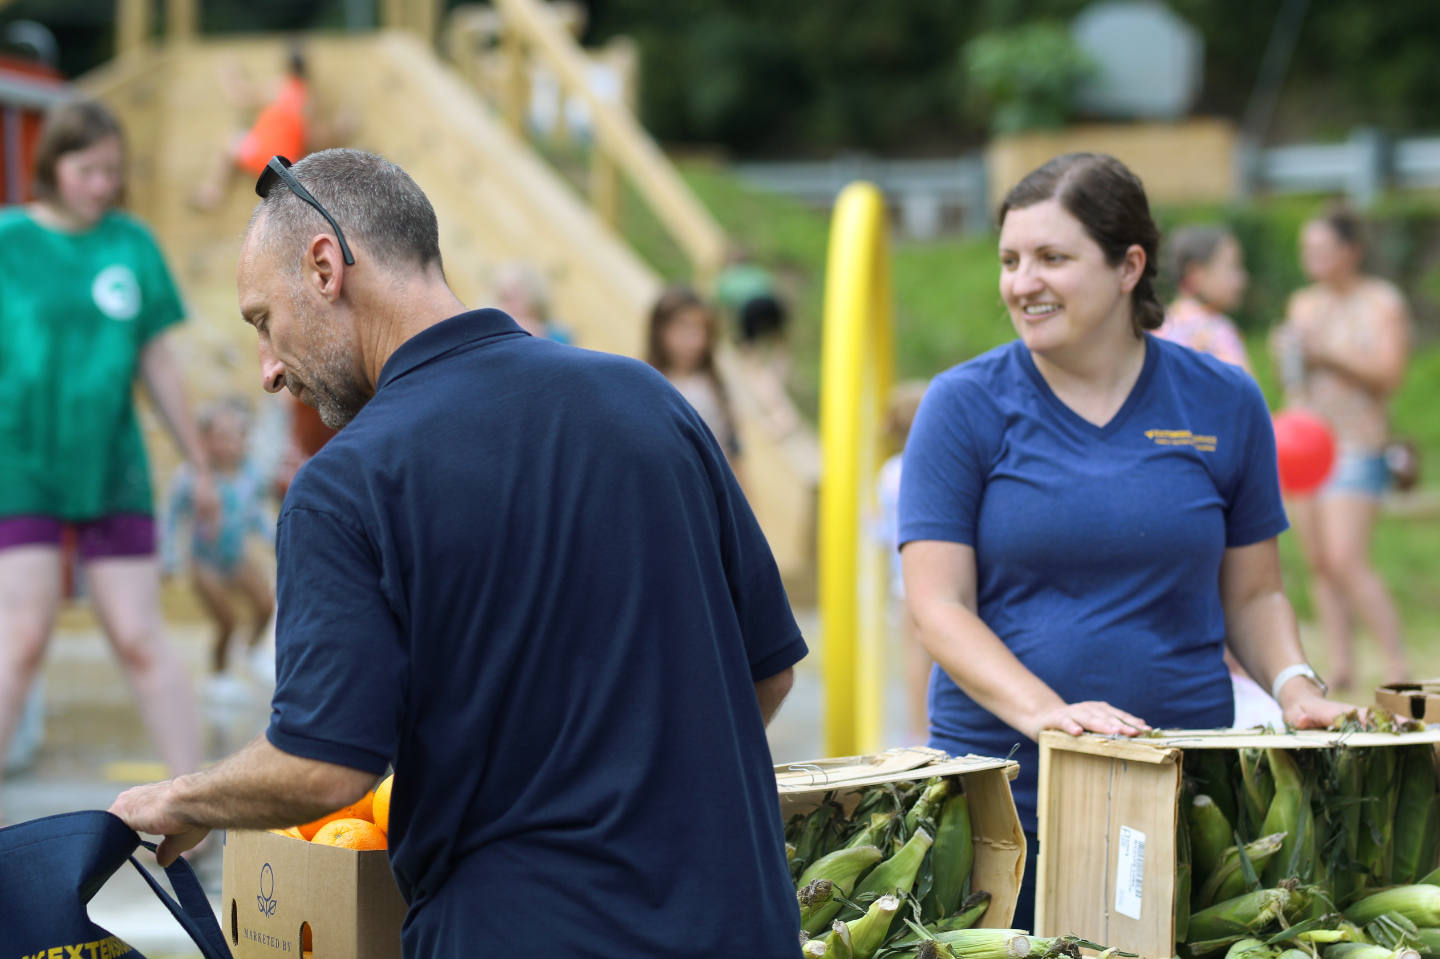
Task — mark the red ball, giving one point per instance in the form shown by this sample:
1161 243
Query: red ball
1305 451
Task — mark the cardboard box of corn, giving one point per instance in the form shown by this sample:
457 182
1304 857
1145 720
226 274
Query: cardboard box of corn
907 853
1242 844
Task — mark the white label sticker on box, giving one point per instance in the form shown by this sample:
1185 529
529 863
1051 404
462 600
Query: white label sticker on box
1130 872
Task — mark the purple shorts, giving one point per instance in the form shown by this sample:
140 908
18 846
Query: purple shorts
123 534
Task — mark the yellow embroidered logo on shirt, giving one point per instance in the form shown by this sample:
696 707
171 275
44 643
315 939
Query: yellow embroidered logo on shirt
1205 444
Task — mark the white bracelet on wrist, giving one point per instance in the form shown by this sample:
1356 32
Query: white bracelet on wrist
1290 672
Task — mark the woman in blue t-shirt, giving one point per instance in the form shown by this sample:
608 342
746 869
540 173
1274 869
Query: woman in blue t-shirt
1088 513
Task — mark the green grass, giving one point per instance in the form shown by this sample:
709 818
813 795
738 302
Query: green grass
947 310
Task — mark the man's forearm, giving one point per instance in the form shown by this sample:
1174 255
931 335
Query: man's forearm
261 787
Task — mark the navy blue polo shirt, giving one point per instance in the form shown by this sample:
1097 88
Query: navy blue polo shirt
525 576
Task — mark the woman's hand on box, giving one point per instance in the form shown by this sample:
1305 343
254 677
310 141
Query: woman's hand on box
1091 717
1308 709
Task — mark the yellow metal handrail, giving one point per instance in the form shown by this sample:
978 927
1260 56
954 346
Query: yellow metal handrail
856 363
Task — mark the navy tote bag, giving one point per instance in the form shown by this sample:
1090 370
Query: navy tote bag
51 868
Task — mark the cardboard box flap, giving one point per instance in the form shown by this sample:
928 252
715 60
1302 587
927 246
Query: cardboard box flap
1121 747
844 769
902 765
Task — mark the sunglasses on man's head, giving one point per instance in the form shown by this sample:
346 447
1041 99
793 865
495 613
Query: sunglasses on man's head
279 169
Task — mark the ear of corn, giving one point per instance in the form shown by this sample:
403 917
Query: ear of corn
951 857
1249 948
1418 903
1184 870
1241 916
1210 833
843 868
896 874
1376 847
838 945
877 833
1258 789
868 933
814 949
986 943
1365 950
1228 880
970 912
1415 808
1288 805
814 833
1211 772
1429 940
927 807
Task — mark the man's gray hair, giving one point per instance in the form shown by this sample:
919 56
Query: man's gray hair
380 209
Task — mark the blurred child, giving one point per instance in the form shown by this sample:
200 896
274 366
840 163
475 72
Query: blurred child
900 415
218 559
1207 265
682 346
521 291
1209 273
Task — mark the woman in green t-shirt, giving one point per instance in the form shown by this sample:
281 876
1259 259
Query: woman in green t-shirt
84 300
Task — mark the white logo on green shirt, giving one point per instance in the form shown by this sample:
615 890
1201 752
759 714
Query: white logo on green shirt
116 292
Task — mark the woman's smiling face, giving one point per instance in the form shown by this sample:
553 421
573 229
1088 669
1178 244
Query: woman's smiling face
1055 281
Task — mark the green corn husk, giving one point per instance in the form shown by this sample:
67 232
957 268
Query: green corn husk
1376 851
1184 870
1430 878
1429 939
839 944
1228 879
1251 949
877 833
1418 903
896 874
1257 792
813 897
1239 917
1288 806
970 912
1343 931
814 949
951 858
1415 811
927 807
843 867
1210 833
932 949
867 934
813 838
1365 950
789 852
1293 953
1393 931
1213 774
990 943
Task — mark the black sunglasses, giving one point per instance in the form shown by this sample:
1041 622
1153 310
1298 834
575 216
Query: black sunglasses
279 169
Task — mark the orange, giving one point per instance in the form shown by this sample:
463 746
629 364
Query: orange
360 809
381 805
350 834
292 831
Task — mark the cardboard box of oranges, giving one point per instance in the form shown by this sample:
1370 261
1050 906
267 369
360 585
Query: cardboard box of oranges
323 889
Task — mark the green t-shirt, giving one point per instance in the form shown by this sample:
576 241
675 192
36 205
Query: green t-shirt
76 309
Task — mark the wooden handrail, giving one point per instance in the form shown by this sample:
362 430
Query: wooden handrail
621 137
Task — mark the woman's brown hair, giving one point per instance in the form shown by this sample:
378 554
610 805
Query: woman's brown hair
1109 201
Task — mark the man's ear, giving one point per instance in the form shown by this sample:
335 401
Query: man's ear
325 264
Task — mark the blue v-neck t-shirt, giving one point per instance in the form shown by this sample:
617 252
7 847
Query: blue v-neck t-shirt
1097 549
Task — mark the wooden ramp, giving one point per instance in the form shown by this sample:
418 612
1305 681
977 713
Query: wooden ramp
495 197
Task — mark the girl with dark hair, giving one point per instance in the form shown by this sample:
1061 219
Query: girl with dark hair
1210 280
85 306
681 345
1089 512
1345 344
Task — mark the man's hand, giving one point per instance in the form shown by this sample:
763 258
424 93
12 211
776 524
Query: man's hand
149 810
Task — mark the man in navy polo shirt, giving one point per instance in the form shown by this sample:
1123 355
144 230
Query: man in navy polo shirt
523 575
